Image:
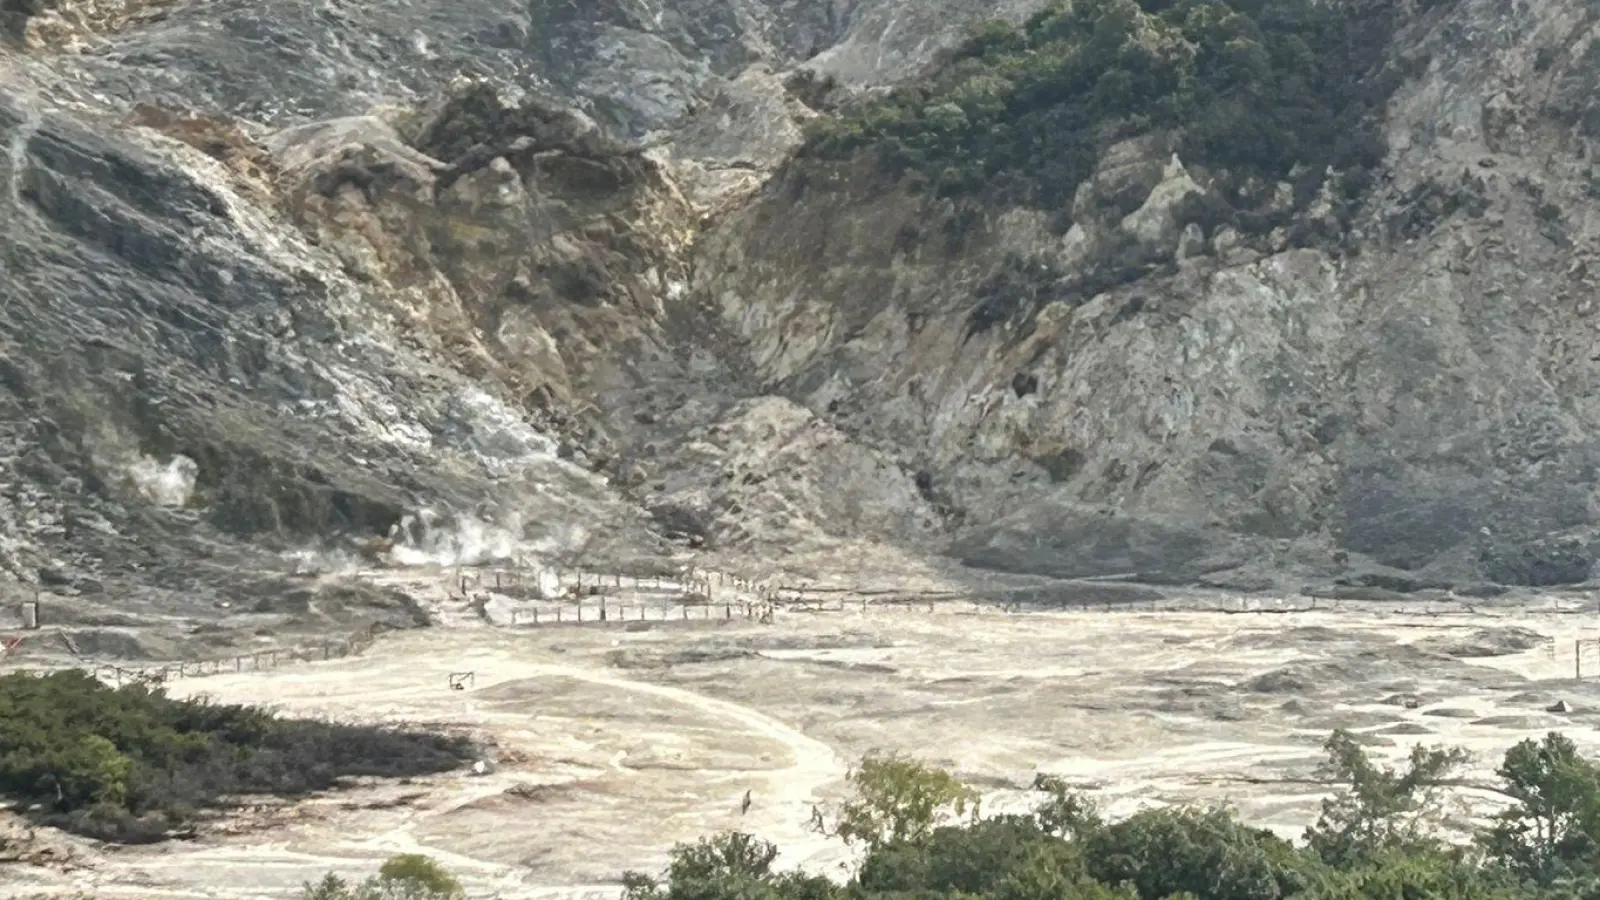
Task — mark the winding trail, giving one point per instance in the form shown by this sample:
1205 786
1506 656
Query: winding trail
784 810
780 811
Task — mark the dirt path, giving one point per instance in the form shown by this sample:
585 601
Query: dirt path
782 813
617 742
781 799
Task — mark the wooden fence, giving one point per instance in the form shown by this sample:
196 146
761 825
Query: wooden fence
528 581
698 593
549 597
623 613
259 661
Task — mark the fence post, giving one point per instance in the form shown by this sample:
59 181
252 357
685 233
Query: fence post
1577 660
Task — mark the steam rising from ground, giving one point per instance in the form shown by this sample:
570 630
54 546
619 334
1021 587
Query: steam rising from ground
429 538
325 560
171 484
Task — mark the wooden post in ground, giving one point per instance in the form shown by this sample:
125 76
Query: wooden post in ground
1577 660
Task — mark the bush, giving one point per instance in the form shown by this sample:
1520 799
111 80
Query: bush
1252 87
128 764
1202 852
408 876
1378 820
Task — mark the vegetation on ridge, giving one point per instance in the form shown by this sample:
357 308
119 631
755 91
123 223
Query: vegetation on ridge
129 764
1252 88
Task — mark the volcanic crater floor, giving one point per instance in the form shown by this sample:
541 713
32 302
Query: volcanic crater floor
609 745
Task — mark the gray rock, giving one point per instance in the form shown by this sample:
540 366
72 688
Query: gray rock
349 287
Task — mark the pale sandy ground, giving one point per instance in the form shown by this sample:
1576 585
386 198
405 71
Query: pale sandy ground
613 744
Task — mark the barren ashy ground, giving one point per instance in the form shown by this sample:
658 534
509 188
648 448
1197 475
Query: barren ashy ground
612 744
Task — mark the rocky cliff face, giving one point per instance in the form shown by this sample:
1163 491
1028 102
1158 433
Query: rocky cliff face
192 384
1415 400
289 275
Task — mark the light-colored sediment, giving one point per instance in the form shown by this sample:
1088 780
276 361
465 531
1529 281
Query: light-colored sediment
613 744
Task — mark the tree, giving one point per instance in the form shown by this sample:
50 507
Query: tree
730 866
900 799
1041 876
1421 874
1248 90
127 764
412 876
92 770
970 860
1380 809
732 854
331 887
408 876
1553 825
1065 812
1207 853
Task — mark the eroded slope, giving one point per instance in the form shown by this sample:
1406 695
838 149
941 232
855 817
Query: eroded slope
1137 383
274 284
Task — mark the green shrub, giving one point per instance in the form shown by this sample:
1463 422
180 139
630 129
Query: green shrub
1066 851
1201 852
127 764
408 876
1248 87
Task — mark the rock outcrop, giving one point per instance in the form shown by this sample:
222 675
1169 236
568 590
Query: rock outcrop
284 274
191 384
1148 394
